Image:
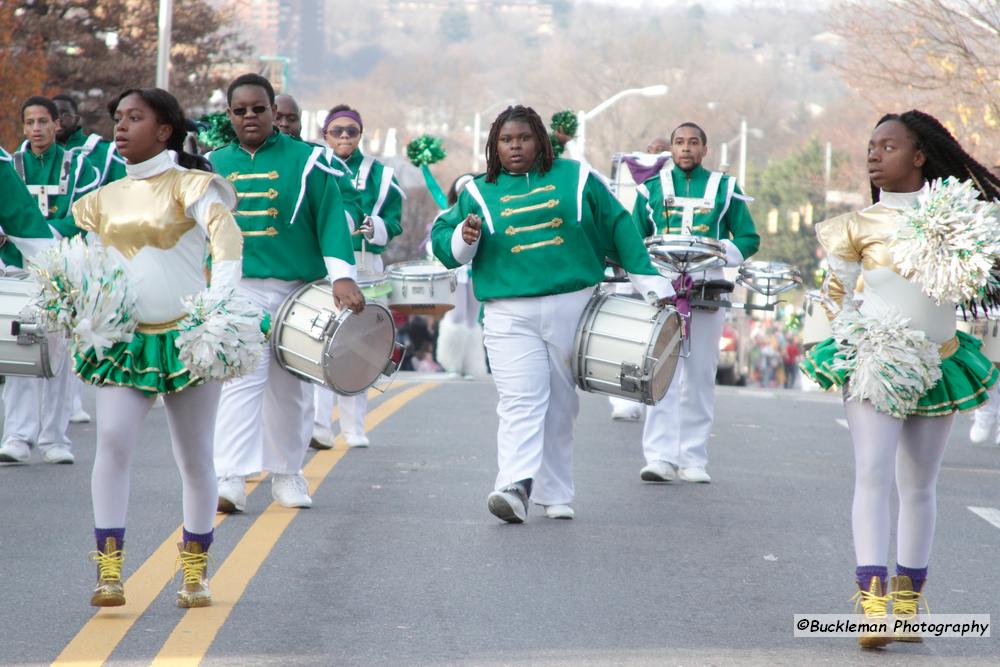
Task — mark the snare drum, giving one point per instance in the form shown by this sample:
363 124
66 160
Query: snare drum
815 324
769 278
345 351
626 347
375 287
421 288
682 253
24 347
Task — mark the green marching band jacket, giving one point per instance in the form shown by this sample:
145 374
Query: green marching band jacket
287 189
55 179
542 233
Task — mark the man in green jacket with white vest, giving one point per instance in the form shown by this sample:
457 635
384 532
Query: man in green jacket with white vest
686 198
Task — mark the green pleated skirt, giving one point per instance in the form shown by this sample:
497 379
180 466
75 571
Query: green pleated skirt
966 377
149 363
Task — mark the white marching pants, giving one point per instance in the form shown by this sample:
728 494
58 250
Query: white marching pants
190 416
353 411
530 344
37 410
677 428
912 450
265 418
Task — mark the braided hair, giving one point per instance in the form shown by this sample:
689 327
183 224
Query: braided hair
168 112
945 156
525 115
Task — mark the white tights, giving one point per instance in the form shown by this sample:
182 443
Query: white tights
915 447
191 418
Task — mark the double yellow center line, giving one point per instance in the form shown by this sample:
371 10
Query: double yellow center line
197 629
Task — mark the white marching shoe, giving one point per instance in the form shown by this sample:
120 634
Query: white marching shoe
58 454
15 452
355 440
290 491
627 413
696 474
232 495
509 504
658 471
559 512
80 416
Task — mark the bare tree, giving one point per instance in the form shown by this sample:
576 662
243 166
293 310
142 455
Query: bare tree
943 55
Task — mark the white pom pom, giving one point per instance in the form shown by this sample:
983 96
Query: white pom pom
949 243
221 337
889 364
83 292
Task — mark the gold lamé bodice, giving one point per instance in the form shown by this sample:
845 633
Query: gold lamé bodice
133 214
862 236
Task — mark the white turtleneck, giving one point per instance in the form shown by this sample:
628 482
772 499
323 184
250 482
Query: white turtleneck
887 290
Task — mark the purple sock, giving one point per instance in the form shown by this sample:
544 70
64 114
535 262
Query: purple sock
864 575
917 575
102 534
204 539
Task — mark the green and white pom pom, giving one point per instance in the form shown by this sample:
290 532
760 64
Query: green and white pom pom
887 363
221 338
948 244
565 122
218 130
425 150
557 147
84 293
104 308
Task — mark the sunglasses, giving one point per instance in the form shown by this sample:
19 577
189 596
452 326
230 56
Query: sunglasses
337 130
242 111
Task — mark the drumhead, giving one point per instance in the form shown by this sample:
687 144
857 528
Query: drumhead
666 349
358 349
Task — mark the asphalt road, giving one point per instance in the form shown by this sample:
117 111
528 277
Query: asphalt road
399 562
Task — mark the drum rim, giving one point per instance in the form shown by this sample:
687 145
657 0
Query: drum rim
394 271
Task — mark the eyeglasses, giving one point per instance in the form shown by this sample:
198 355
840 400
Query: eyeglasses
242 111
337 130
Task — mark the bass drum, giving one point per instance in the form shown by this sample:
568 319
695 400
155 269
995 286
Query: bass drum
626 348
346 351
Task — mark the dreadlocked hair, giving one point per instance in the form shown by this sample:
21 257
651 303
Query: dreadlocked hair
945 156
526 115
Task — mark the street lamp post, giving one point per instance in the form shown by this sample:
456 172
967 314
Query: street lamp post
741 176
583 116
163 44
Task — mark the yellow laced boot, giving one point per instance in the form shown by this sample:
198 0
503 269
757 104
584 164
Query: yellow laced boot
193 561
906 605
109 591
875 605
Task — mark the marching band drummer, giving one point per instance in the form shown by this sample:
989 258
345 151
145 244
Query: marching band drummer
292 218
382 208
686 198
37 410
537 230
